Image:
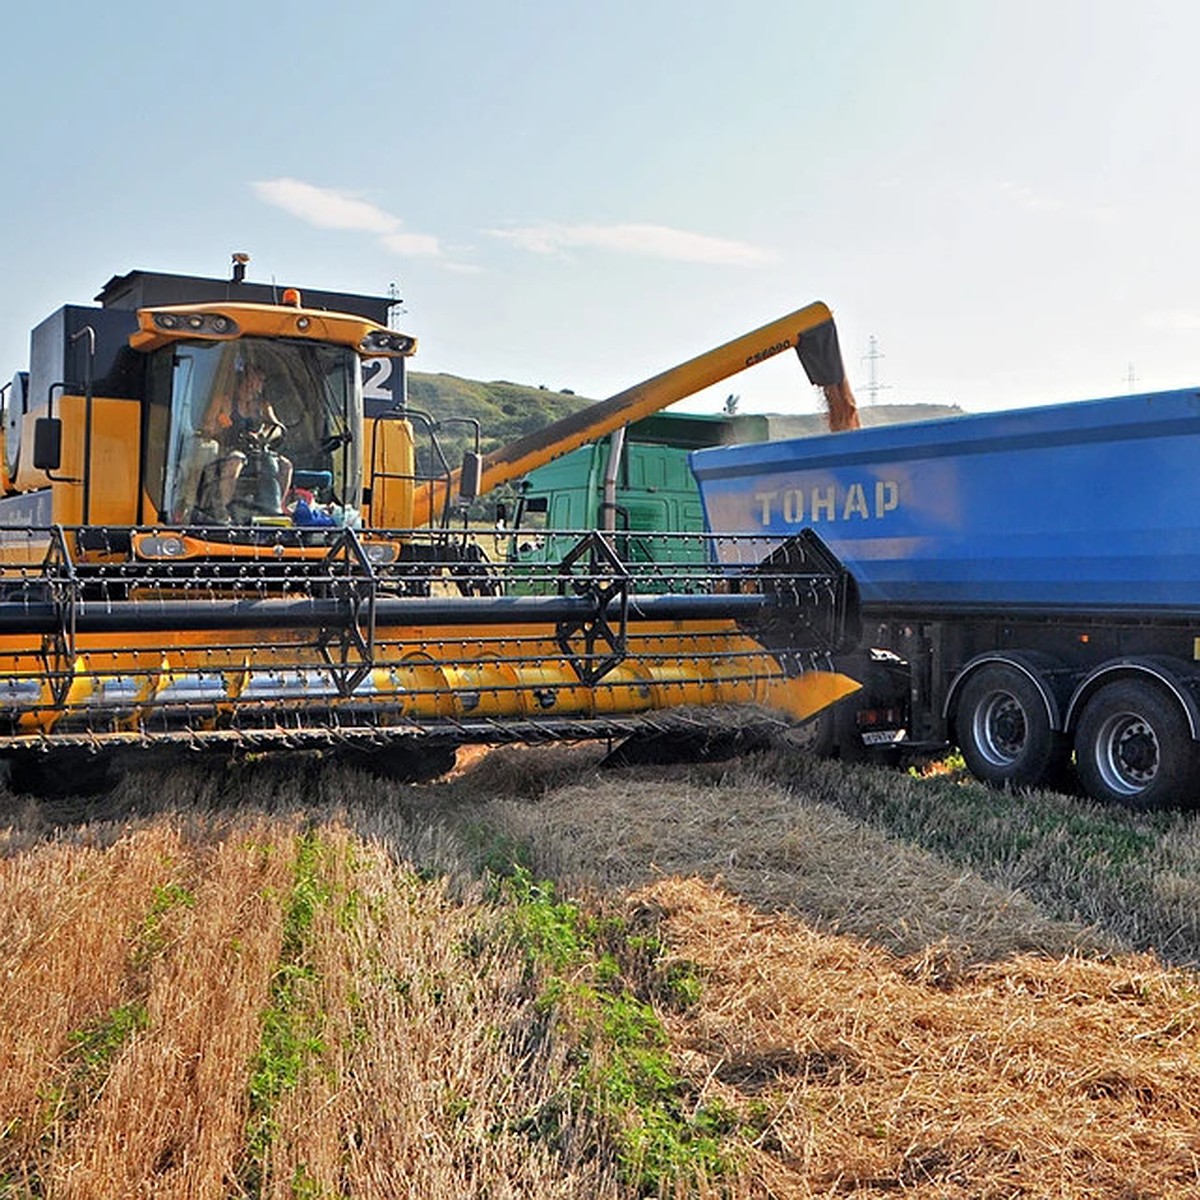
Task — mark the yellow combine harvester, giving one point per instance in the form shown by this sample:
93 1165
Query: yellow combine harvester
214 534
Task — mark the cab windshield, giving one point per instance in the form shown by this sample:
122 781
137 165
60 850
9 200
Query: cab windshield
264 432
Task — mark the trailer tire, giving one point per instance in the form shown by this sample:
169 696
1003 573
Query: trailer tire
1133 746
1004 732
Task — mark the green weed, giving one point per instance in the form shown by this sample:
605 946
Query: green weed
497 856
150 939
591 971
95 1046
90 1055
292 1025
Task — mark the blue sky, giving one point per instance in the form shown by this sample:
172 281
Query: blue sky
580 195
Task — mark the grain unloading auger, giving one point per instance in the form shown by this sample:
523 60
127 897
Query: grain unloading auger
206 544
809 331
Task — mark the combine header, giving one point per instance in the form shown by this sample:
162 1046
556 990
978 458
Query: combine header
205 542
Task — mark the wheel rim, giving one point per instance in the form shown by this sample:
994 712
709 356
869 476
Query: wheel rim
805 737
1000 729
1127 753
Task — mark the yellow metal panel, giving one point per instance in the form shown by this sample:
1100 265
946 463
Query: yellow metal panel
390 473
115 466
116 448
28 479
258 320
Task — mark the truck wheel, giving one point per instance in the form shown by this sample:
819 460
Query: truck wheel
817 736
1133 747
1004 733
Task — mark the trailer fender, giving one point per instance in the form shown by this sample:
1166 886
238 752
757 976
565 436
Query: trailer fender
1181 681
1044 672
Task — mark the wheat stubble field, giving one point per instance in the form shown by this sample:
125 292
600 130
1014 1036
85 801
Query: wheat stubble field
536 978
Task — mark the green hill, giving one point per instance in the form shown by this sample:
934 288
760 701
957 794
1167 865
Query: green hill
507 411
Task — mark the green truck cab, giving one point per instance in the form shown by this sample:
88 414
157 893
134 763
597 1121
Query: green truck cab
636 485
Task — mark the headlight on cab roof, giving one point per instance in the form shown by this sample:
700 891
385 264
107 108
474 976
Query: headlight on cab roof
386 341
211 324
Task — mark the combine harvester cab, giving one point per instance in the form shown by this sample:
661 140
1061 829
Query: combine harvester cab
206 543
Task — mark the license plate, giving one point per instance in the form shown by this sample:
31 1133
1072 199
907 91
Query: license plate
882 737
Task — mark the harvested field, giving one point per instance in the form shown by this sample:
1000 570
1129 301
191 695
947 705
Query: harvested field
871 1075
768 978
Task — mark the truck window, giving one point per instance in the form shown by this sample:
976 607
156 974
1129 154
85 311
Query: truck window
648 515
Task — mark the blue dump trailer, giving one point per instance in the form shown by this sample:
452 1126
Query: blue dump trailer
1030 583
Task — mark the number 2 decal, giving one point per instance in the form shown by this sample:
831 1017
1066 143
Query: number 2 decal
377 373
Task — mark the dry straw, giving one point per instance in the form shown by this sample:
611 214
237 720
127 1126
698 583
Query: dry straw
878 1021
865 1074
776 852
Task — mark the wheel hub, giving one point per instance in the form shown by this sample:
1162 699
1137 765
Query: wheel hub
1129 754
1002 732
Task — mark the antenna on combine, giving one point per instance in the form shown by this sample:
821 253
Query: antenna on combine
396 306
1130 379
872 357
240 259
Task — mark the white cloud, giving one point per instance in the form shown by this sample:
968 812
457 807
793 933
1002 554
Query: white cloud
415 245
325 207
1028 199
328 208
649 241
1025 199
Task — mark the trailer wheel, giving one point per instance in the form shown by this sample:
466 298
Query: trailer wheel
1004 733
1133 747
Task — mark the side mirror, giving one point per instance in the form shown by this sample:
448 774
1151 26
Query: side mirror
47 444
471 480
